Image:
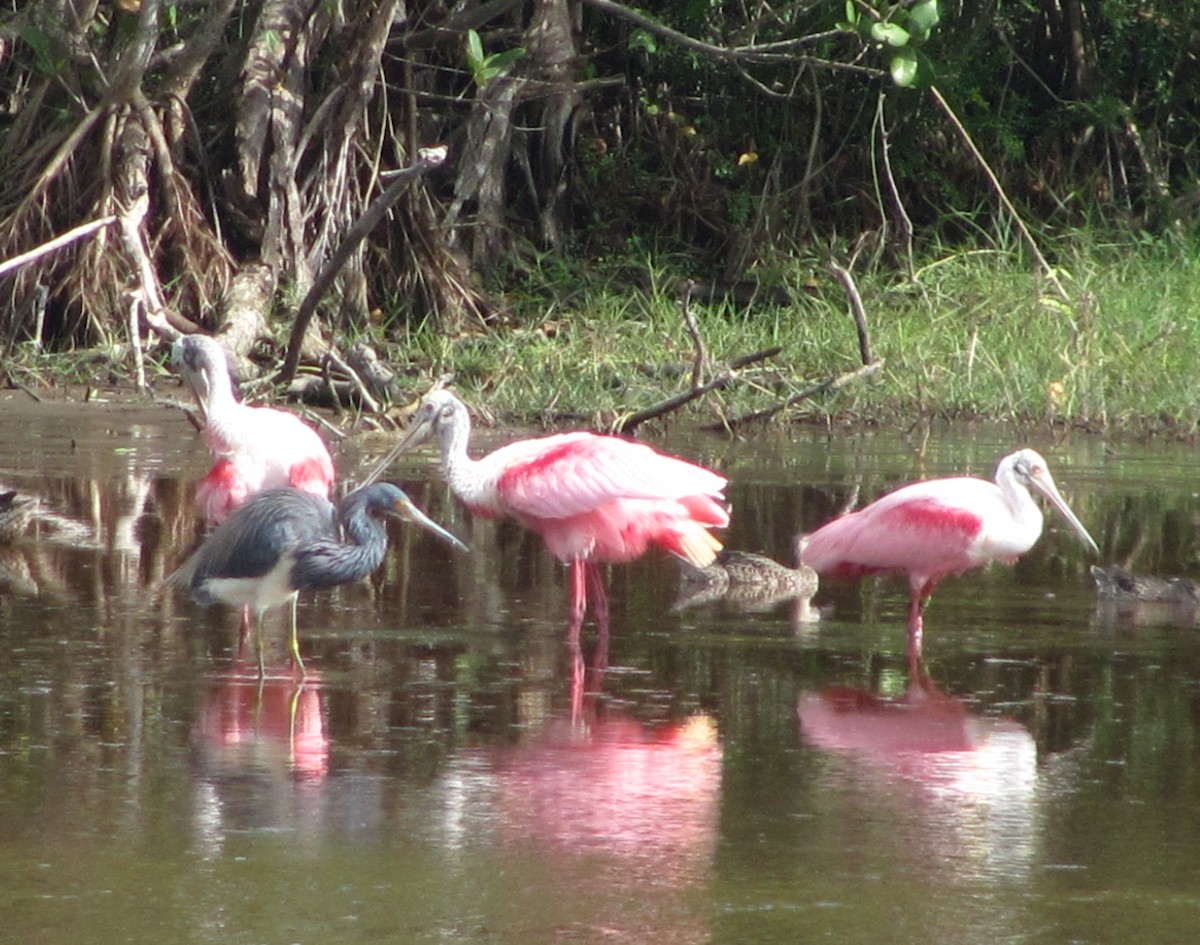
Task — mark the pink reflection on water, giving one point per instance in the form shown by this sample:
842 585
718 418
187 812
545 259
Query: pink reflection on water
275 720
601 800
966 783
924 735
614 785
600 780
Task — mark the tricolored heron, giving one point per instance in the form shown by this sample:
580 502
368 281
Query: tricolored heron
284 541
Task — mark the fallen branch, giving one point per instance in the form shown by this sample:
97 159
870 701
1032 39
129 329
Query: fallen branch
50 246
379 379
427 159
826 386
846 278
629 423
356 382
700 363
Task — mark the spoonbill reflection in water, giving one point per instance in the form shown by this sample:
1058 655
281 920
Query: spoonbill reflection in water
963 785
931 529
591 498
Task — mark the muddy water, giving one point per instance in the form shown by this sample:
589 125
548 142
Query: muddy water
724 773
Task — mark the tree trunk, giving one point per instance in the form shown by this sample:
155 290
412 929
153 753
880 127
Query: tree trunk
553 52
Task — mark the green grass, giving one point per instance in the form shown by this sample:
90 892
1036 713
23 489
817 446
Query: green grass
978 335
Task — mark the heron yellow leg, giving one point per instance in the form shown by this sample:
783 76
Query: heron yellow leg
258 645
296 640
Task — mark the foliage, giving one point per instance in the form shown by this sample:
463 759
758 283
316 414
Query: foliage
484 68
746 141
978 336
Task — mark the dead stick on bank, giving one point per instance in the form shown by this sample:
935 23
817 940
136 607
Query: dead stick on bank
827 386
700 362
727 377
401 180
846 278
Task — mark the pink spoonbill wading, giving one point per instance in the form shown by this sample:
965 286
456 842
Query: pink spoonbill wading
255 448
592 498
929 530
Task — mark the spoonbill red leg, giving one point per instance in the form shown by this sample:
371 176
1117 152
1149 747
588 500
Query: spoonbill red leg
599 596
588 681
921 593
578 598
577 675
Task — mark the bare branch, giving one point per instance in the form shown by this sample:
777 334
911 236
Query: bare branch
783 50
846 278
700 364
958 126
827 386
401 180
50 246
148 292
336 361
630 423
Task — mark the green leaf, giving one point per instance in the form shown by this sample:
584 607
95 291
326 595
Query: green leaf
503 61
851 14
923 17
643 40
474 51
37 40
889 33
904 68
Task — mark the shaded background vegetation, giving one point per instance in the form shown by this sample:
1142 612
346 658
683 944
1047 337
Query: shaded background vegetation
738 136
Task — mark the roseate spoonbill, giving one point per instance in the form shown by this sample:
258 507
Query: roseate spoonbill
592 498
255 448
932 529
1115 583
283 541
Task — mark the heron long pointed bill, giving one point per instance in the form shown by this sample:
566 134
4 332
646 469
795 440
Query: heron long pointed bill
1041 480
406 511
